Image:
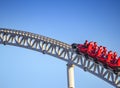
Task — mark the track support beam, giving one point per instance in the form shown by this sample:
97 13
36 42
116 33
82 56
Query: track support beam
70 75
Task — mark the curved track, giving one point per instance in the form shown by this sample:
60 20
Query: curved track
59 50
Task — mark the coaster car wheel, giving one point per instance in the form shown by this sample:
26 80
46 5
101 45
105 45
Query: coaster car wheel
74 46
117 70
105 65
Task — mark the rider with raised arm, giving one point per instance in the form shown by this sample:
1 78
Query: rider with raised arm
99 52
109 57
90 47
104 53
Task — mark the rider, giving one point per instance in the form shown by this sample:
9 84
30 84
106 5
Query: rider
83 47
99 52
118 62
86 43
104 53
114 57
90 47
109 56
95 48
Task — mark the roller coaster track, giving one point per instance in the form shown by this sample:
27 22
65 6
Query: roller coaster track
59 50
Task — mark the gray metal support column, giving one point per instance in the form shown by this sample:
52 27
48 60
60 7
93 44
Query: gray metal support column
70 76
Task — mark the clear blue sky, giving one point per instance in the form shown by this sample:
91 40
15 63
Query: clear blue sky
66 20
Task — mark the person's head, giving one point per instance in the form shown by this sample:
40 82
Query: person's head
95 43
115 53
86 40
110 51
105 48
100 47
91 42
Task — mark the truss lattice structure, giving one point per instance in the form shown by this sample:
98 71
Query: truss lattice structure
59 50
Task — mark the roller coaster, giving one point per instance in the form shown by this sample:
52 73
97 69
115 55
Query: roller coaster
61 51
99 54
